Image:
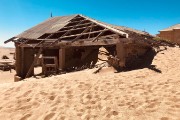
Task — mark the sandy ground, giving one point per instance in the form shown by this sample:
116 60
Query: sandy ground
6 77
7 52
135 95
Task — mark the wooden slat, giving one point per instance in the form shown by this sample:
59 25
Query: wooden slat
88 42
90 31
98 35
23 43
88 28
77 21
77 25
69 31
11 39
39 43
107 26
62 58
73 29
66 31
22 60
84 33
49 36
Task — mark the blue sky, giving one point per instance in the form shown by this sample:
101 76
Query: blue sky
149 15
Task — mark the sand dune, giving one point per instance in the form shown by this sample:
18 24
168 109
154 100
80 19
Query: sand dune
135 95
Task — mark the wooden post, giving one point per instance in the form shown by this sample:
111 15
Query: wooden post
18 60
62 55
121 53
22 61
29 71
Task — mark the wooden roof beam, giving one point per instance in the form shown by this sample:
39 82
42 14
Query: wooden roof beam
101 33
85 33
88 28
108 27
77 21
77 25
73 29
67 32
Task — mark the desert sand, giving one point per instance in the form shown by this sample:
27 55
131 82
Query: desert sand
134 95
7 76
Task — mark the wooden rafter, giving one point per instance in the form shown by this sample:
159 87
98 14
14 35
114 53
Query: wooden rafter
107 26
88 28
24 42
73 29
84 33
66 32
101 33
74 21
90 31
39 43
77 25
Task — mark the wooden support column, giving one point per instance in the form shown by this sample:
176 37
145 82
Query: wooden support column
22 61
24 58
18 54
62 57
27 62
121 53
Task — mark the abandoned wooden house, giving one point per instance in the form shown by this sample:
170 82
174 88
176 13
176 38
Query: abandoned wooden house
73 42
172 33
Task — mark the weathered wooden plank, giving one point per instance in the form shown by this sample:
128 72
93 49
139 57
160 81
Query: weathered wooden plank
62 54
73 29
35 60
84 33
108 27
18 60
77 25
99 35
88 28
121 53
24 42
22 60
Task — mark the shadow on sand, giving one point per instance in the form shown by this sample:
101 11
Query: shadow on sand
140 62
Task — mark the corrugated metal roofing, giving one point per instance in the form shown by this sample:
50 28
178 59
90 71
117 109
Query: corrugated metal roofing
48 26
177 26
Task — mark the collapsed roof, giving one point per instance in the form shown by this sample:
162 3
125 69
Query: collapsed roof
68 28
78 28
58 24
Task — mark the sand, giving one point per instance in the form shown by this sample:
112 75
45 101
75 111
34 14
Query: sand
7 76
7 52
134 95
